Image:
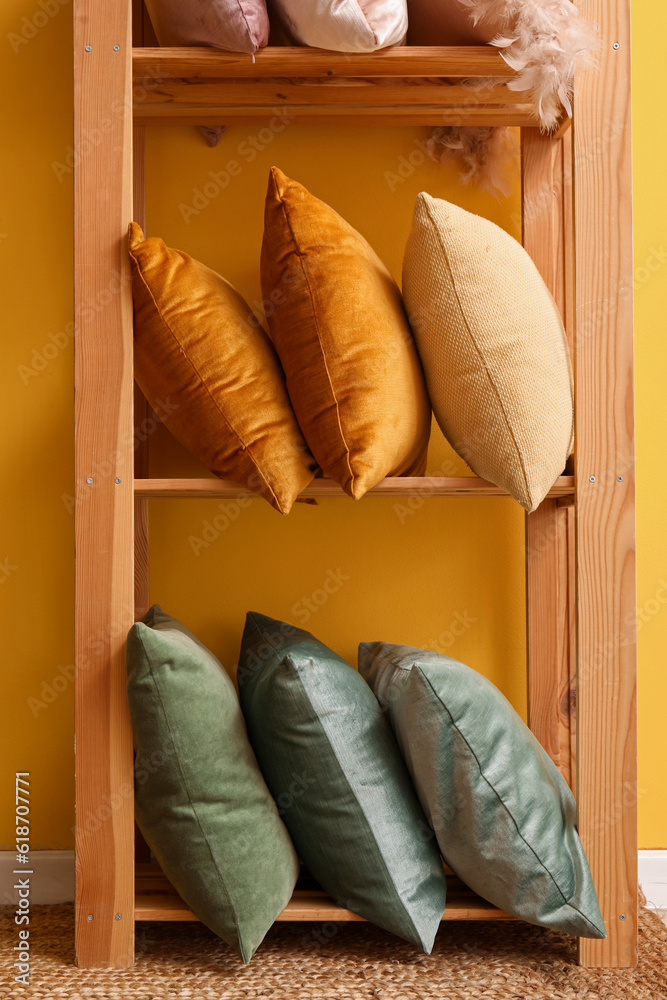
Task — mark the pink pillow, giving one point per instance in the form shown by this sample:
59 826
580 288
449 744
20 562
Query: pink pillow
236 25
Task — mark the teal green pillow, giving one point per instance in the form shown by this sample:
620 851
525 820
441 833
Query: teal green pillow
503 815
200 799
333 766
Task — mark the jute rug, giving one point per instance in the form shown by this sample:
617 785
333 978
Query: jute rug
470 961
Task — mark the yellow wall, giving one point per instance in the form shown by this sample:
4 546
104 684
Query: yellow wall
448 574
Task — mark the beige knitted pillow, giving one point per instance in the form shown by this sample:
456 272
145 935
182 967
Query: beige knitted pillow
493 348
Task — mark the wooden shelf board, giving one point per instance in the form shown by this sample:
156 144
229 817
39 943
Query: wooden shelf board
513 116
156 899
457 486
157 65
401 85
274 95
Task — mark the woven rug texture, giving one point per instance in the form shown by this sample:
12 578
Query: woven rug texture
470 961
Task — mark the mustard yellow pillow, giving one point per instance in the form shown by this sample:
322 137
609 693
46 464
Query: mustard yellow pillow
493 347
208 369
340 330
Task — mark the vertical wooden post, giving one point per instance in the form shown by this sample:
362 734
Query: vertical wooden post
605 483
546 211
104 482
141 411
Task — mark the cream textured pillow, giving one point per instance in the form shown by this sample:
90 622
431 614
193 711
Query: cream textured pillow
342 25
493 348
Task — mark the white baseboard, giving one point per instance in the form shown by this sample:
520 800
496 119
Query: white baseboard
653 878
53 878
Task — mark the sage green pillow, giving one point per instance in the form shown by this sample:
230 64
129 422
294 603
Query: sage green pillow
200 799
333 766
503 815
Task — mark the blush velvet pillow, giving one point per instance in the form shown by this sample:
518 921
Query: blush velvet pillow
341 333
493 347
237 25
210 372
502 813
234 25
341 25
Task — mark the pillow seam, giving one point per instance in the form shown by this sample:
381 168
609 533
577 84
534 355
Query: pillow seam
354 794
202 382
479 352
245 19
500 799
301 257
368 23
187 791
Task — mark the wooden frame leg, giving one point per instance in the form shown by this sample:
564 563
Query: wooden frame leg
104 484
604 470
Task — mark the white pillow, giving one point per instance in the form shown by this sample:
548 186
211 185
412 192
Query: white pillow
344 25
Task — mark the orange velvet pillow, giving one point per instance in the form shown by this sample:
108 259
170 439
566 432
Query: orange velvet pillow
340 330
208 369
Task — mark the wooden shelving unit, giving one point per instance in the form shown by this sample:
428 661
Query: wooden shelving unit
579 543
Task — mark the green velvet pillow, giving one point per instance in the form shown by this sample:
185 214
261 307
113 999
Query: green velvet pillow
333 766
201 801
503 815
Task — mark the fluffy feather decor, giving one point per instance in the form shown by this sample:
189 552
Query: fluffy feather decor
212 133
544 41
489 155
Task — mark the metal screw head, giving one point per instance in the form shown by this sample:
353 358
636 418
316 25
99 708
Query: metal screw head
116 47
89 480
88 49
616 45
591 479
622 916
90 916
619 479
116 481
118 916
